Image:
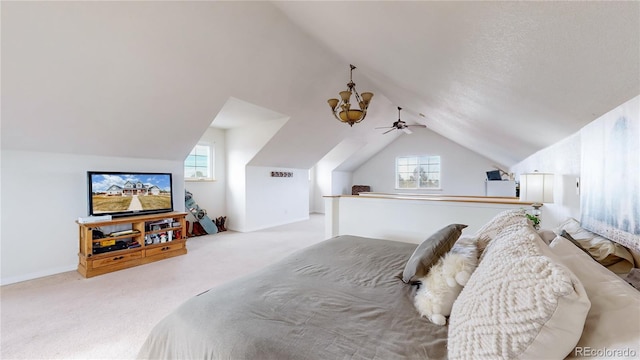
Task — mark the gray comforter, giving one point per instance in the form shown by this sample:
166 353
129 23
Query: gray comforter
339 299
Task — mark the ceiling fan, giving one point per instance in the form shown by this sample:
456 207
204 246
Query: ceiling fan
401 125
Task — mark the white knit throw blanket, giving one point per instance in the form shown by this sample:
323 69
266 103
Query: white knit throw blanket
509 298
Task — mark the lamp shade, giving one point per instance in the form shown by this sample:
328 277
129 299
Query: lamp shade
536 187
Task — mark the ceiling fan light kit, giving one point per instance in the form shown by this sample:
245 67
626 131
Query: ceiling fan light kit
401 125
342 110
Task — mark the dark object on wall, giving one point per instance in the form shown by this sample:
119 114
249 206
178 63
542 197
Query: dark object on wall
494 175
357 189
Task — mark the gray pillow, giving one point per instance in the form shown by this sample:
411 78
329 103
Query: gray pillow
427 253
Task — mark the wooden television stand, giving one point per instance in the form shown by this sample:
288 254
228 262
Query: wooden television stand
125 242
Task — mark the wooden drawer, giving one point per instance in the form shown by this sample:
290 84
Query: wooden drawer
166 247
116 259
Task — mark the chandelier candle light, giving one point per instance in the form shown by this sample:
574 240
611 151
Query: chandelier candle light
342 110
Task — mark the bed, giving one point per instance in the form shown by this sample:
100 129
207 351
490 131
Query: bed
337 299
345 298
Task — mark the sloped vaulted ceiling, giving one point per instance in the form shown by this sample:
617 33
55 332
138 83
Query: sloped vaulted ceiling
504 79
145 79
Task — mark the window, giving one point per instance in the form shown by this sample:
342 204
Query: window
418 172
198 164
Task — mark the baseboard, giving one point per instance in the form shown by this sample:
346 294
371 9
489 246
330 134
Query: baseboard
274 225
36 275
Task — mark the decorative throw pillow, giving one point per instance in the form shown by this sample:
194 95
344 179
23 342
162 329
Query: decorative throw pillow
547 235
442 285
633 279
608 253
519 303
568 236
614 304
491 229
429 251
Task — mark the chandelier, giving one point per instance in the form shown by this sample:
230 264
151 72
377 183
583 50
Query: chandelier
342 110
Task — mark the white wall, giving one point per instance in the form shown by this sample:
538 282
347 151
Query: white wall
273 201
409 220
463 172
320 186
42 196
328 181
312 190
212 195
258 200
242 144
341 182
563 160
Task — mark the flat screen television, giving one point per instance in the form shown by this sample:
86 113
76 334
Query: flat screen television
129 193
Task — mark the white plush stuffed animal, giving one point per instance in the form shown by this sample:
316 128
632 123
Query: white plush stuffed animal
442 285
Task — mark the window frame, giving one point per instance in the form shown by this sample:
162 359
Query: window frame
210 163
417 161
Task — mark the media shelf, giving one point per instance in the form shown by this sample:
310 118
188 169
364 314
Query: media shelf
138 240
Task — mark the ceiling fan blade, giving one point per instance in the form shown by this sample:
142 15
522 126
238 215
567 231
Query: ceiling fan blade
400 125
418 125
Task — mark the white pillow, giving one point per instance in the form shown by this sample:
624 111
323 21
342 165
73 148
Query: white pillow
506 218
547 235
613 322
606 252
493 227
519 303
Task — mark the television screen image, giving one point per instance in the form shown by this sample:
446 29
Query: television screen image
129 193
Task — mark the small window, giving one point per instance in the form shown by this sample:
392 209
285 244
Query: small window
198 165
418 172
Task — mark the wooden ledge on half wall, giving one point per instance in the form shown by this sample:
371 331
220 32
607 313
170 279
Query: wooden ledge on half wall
435 197
410 217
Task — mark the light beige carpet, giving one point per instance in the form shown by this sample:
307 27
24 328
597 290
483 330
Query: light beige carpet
66 316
